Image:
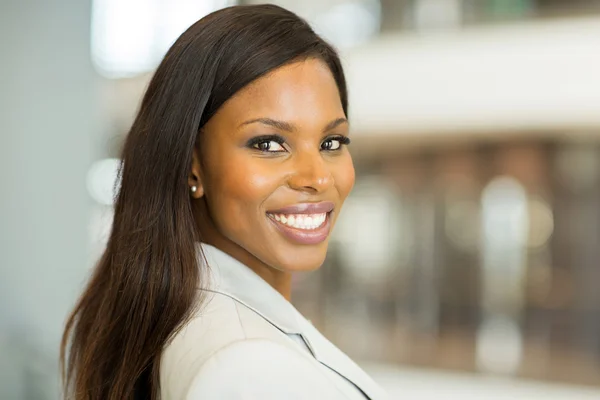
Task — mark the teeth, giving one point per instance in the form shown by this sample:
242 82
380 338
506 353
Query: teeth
301 221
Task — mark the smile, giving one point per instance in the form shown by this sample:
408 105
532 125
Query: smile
306 223
301 221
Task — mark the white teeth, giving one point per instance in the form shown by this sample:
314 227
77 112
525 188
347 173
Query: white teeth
301 221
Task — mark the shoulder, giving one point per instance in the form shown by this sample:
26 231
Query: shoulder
257 369
217 321
213 325
222 340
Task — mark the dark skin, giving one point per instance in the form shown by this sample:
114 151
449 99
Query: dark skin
239 182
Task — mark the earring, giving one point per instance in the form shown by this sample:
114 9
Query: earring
194 188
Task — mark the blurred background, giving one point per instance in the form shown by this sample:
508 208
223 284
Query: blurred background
466 264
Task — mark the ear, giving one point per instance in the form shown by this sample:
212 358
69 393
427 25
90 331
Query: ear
195 177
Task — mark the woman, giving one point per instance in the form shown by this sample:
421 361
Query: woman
233 175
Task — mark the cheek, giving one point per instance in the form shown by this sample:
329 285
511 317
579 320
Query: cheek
237 191
344 176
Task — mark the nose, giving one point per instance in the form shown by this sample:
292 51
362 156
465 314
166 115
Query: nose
311 173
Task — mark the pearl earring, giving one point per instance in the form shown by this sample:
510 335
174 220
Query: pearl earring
194 188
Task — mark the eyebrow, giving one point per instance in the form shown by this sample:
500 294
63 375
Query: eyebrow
286 126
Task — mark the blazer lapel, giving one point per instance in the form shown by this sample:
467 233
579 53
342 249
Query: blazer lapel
230 277
329 355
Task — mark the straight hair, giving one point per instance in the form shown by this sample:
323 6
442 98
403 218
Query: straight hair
146 283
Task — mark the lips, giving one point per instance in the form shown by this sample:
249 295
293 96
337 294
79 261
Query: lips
304 223
306 208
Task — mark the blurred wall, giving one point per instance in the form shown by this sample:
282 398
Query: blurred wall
48 127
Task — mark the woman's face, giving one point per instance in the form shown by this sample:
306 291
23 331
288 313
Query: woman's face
273 169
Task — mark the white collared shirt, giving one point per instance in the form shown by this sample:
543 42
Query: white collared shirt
246 341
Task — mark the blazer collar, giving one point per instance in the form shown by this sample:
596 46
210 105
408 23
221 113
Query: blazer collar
233 279
230 277
329 355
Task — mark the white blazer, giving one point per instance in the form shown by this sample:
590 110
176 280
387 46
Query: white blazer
246 341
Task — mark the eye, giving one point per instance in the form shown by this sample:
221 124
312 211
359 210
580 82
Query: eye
334 143
269 145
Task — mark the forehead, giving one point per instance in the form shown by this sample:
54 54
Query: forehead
304 89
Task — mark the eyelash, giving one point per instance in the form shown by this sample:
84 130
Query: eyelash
254 142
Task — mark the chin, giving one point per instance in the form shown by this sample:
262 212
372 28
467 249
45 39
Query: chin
309 258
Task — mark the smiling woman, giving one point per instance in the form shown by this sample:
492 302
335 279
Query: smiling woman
282 138
233 175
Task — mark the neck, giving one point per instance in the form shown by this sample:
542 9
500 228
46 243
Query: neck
279 280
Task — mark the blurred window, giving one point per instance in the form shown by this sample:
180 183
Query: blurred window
130 37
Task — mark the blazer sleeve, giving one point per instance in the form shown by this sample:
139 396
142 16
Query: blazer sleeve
260 369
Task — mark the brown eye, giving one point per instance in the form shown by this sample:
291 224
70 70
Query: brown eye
269 146
331 144
264 146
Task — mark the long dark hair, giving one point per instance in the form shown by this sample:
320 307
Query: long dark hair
145 285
